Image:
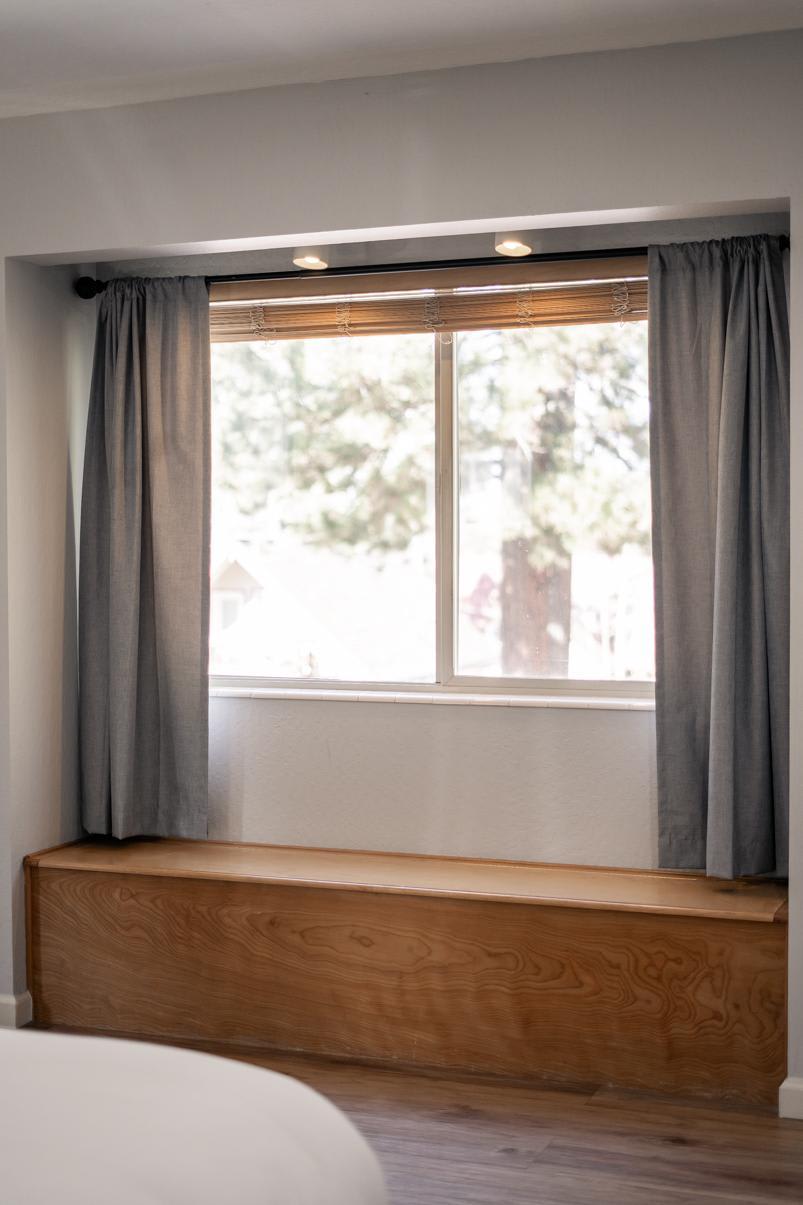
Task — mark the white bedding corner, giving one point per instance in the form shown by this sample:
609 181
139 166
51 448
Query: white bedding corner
89 1121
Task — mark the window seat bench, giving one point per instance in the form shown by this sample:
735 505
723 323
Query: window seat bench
650 980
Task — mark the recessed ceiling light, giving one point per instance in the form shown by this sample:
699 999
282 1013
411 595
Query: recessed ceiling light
310 259
511 244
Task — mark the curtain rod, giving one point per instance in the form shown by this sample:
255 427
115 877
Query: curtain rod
87 287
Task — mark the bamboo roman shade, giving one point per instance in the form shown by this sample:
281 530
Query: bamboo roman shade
404 302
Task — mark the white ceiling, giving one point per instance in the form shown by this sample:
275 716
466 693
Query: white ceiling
66 54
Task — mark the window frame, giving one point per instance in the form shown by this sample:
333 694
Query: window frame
447 683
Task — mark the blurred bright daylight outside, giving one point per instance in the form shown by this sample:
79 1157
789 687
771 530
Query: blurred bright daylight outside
324 506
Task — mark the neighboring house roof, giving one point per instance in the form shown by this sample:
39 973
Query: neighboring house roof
234 576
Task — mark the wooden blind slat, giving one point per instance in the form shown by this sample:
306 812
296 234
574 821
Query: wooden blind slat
444 299
607 301
500 272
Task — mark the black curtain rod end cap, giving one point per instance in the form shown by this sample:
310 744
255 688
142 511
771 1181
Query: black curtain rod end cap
88 288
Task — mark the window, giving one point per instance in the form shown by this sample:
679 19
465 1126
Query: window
324 506
445 484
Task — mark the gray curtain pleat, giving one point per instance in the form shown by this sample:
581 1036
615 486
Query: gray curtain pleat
144 563
719 389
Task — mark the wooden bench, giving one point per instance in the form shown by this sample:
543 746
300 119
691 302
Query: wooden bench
651 980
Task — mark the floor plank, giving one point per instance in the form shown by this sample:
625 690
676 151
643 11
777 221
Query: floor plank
463 1140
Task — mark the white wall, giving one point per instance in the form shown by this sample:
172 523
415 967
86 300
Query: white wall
737 220
47 383
680 126
7 1002
565 786
670 131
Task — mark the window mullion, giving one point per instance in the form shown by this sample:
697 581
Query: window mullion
445 502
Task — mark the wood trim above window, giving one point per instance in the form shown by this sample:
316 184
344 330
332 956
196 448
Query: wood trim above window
450 299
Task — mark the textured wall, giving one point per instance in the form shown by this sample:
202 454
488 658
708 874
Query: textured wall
503 782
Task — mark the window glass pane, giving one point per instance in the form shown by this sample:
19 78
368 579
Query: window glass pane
555 570
323 512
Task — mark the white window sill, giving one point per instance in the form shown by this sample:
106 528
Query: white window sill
448 698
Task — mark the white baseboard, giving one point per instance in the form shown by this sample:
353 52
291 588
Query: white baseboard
790 1097
16 1011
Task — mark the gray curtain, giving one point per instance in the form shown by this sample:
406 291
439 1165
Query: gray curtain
719 390
144 563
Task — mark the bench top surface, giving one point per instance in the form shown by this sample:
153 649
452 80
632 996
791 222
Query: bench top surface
663 892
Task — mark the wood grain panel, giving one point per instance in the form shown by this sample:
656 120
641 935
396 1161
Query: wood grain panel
677 1004
666 892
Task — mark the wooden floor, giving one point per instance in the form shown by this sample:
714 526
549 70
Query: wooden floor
450 1140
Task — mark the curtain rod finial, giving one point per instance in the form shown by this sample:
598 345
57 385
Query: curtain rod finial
87 288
